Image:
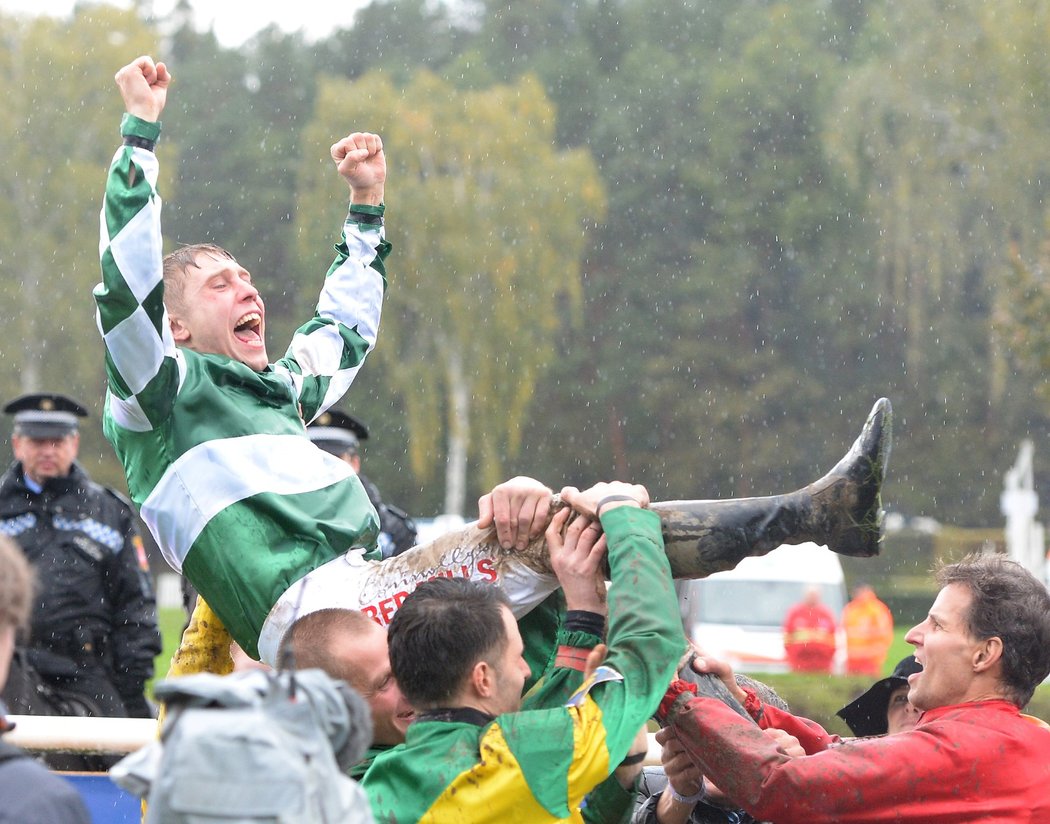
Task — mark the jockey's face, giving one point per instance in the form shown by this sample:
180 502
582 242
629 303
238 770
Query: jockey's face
221 312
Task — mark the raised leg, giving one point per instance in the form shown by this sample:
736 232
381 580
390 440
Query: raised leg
205 645
842 510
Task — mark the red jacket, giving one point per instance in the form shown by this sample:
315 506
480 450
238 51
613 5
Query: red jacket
976 762
809 637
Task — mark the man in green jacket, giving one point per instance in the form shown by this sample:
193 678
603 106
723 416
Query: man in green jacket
476 751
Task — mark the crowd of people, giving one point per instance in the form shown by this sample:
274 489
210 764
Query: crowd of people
499 689
811 633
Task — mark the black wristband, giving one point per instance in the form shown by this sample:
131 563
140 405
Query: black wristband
608 499
140 142
365 218
582 620
637 758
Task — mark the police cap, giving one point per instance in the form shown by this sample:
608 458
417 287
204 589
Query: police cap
337 432
45 415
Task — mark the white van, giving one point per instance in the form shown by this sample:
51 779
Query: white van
737 615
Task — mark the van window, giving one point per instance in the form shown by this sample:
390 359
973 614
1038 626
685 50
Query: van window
755 603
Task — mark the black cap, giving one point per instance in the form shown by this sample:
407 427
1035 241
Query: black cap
867 715
45 415
337 432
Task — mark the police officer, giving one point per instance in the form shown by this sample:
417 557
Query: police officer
93 632
341 434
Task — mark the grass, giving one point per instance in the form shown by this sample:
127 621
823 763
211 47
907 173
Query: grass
171 622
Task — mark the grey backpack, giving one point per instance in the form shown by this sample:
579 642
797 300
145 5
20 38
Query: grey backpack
253 747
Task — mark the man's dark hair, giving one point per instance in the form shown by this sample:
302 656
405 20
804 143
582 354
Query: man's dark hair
1008 603
440 632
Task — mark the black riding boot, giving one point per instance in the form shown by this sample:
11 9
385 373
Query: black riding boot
842 510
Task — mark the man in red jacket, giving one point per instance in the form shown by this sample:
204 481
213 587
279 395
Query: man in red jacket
809 634
973 756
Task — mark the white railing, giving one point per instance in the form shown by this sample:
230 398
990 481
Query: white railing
116 736
47 733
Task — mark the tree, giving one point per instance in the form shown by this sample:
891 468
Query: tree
1022 318
488 224
236 118
398 37
714 290
61 112
941 128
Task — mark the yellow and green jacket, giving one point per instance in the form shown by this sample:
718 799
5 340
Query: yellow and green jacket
539 764
573 636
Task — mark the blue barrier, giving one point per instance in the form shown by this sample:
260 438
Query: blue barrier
107 803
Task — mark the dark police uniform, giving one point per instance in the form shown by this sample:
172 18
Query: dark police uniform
94 625
341 434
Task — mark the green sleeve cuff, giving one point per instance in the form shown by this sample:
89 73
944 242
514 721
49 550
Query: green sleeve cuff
132 126
625 520
582 640
609 802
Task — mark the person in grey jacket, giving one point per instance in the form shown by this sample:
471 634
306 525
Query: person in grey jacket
29 793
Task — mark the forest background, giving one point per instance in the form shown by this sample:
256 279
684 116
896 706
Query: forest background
684 243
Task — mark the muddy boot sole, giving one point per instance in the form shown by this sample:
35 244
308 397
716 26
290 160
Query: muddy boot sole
842 511
847 502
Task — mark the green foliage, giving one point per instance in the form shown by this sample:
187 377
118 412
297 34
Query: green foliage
809 205
426 35
60 117
236 118
807 210
488 220
1023 320
928 129
60 132
715 288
